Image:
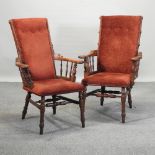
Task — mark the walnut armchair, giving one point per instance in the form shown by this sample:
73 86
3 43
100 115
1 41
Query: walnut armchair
117 59
36 62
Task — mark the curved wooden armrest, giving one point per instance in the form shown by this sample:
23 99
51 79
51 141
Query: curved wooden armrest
138 57
21 65
91 53
60 57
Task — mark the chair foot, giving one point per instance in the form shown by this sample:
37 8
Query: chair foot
82 107
82 117
123 99
129 98
123 118
28 96
54 104
102 98
54 110
41 130
83 125
101 101
130 105
42 111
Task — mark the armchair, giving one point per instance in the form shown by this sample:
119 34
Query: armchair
117 59
36 63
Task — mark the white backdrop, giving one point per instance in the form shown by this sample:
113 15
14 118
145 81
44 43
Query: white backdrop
74 26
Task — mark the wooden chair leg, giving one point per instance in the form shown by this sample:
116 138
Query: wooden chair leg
123 99
129 97
82 107
54 103
28 96
102 98
42 111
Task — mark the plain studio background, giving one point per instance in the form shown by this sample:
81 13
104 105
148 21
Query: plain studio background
74 26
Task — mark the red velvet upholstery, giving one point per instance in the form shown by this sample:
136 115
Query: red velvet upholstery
33 43
118 43
54 86
36 64
117 59
108 79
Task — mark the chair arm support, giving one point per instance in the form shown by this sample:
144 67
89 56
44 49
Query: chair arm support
21 65
91 53
138 57
70 72
135 66
89 62
25 73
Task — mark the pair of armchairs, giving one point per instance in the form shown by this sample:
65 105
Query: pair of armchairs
117 64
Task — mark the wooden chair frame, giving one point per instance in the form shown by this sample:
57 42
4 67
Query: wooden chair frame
57 99
103 93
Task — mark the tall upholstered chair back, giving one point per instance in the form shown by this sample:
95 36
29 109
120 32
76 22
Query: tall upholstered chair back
34 46
118 42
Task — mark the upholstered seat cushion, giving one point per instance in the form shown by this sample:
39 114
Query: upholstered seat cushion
108 79
54 86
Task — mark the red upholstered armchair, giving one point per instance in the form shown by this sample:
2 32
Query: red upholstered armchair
117 59
36 62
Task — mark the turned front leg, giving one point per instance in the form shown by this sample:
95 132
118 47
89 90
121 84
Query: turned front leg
42 111
129 97
102 98
123 99
82 107
28 96
54 104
